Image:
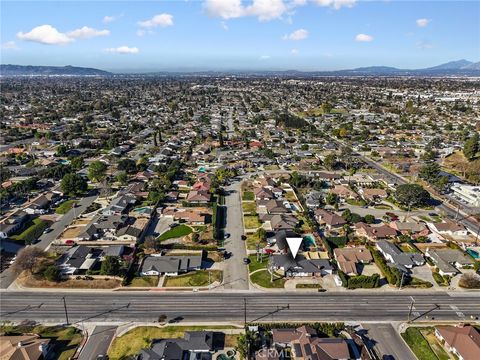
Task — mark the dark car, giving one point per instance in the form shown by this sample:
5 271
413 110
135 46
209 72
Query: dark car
246 261
244 237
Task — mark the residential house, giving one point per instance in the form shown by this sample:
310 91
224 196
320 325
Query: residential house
344 192
170 265
198 196
282 238
374 233
119 205
348 259
263 194
399 259
23 347
78 259
13 223
467 193
300 266
37 205
271 207
278 222
410 228
373 195
462 341
330 220
449 228
195 345
313 199
449 260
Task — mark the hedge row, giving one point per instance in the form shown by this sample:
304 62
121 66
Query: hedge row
392 275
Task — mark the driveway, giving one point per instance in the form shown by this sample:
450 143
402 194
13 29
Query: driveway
158 226
425 273
387 342
98 343
235 275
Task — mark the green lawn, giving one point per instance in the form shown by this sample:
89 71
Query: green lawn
262 278
253 240
144 281
439 279
176 232
251 222
249 207
31 230
248 195
418 344
255 265
64 207
195 279
140 337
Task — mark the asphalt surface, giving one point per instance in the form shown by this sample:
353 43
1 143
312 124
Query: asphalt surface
8 277
218 307
98 343
235 273
387 342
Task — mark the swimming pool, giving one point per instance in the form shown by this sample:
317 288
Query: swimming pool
473 253
309 241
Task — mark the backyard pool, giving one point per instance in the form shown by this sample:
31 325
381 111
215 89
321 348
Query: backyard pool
308 242
473 253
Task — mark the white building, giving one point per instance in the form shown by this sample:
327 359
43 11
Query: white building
467 193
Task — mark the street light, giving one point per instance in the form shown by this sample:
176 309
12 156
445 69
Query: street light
66 312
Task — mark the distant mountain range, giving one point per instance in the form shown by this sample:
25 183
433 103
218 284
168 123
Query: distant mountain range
453 68
29 70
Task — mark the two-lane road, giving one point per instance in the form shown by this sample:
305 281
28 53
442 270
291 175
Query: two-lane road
230 306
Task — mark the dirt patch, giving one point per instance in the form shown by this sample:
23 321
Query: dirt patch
34 281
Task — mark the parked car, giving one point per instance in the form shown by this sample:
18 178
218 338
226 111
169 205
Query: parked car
47 230
246 261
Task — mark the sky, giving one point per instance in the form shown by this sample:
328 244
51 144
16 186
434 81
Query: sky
191 35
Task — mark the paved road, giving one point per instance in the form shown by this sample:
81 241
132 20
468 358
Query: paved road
387 342
235 275
47 306
98 342
467 222
8 277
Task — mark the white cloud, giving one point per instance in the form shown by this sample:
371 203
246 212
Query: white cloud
363 38
264 10
336 4
299 34
45 34
424 45
264 57
9 45
162 20
108 19
87 33
294 51
123 50
224 25
422 22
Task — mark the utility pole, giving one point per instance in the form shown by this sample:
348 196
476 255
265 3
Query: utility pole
401 281
66 312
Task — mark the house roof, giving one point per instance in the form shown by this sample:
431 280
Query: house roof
347 258
171 264
329 218
22 347
466 340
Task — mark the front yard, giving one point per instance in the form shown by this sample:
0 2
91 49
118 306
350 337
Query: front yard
65 207
31 231
263 277
140 337
144 281
253 240
251 222
194 279
249 207
424 344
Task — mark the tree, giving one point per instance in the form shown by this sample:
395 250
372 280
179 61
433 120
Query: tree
73 184
110 266
331 198
127 165
430 172
77 163
61 150
369 219
122 177
471 147
150 243
97 171
412 195
330 161
51 273
27 259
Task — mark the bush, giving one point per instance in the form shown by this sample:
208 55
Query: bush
469 281
363 282
51 273
392 275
